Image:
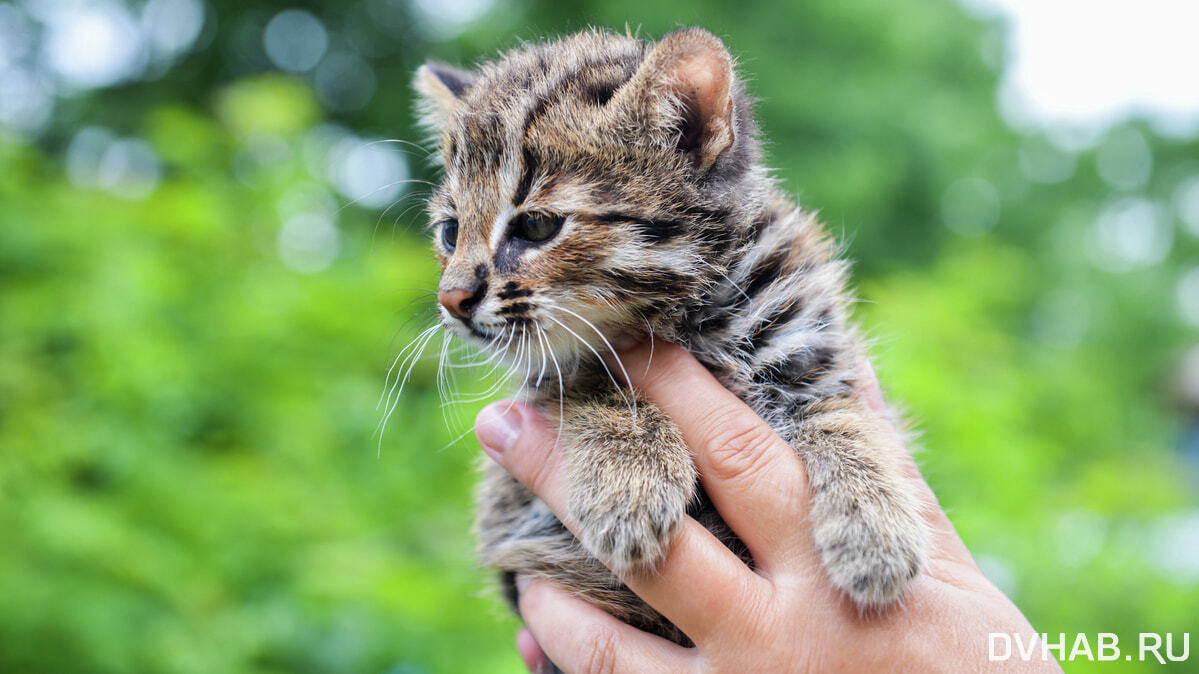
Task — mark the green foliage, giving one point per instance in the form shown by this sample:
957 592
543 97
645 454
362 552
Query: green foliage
190 479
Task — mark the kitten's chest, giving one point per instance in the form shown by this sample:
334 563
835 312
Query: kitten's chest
778 350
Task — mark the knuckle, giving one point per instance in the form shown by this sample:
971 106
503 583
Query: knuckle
739 448
600 656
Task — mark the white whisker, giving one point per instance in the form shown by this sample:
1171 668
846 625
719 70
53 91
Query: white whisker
387 381
380 188
601 361
442 393
541 342
499 384
420 198
412 361
614 355
428 152
561 391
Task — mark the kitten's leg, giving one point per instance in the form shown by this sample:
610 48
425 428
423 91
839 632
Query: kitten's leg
865 515
518 534
630 478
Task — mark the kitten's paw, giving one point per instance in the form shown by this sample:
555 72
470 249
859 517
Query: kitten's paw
627 536
873 557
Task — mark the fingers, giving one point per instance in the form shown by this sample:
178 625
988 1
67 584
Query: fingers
579 637
530 652
515 436
521 441
699 585
755 480
872 393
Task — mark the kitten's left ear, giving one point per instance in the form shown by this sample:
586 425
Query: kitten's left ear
440 89
685 87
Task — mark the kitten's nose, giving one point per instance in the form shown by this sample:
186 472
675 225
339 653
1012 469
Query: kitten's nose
460 302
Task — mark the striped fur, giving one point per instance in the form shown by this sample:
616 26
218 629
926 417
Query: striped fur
672 228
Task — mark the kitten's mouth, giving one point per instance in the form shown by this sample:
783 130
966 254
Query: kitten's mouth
455 324
479 333
486 334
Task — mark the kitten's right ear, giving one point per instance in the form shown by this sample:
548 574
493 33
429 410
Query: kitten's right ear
684 88
440 88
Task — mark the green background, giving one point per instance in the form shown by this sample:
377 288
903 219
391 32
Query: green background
190 479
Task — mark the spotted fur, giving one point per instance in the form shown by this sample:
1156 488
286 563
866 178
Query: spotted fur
671 227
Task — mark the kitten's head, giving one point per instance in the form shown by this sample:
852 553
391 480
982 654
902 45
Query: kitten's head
592 185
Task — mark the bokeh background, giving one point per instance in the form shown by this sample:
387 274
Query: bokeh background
209 262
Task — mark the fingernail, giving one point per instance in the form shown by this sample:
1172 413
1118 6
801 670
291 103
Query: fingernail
522 582
497 427
530 651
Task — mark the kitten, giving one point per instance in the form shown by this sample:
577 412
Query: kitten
600 186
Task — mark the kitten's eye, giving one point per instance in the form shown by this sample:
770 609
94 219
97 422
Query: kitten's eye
536 227
449 234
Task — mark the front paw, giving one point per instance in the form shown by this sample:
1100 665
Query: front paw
627 535
873 557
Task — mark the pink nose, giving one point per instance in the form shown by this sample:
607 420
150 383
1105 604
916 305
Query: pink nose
457 302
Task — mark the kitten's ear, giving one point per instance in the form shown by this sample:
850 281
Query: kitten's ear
440 88
685 86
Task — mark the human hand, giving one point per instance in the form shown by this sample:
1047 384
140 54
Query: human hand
783 615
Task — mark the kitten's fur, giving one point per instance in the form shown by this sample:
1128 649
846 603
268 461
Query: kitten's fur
672 227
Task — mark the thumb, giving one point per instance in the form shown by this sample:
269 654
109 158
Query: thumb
518 437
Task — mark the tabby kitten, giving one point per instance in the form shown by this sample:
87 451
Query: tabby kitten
600 186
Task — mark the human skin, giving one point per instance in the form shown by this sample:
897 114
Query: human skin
782 615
